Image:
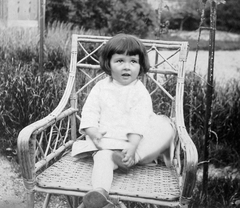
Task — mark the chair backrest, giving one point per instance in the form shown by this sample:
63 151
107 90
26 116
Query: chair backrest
44 141
164 80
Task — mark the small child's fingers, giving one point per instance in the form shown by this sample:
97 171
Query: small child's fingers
103 133
96 142
126 158
124 151
129 163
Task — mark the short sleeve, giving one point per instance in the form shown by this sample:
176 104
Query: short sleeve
91 109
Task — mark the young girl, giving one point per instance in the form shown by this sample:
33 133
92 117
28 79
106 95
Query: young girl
119 110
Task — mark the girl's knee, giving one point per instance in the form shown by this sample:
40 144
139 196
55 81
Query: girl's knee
163 125
103 159
170 129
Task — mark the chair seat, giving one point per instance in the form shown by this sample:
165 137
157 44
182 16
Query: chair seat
151 182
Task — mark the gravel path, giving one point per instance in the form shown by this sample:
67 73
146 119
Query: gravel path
12 190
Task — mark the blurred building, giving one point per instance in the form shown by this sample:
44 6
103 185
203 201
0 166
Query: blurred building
19 13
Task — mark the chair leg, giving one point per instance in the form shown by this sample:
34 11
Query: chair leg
69 201
81 206
30 199
75 201
46 201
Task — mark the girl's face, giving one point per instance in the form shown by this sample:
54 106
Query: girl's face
124 68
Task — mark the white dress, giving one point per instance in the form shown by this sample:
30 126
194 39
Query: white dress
121 110
116 109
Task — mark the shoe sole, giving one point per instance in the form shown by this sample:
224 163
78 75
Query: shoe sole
94 199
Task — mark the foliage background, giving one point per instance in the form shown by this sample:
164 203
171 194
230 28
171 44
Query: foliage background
26 95
112 16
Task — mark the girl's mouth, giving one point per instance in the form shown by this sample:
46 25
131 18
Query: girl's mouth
126 75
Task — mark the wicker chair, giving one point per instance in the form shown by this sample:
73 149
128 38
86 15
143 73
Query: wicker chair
44 147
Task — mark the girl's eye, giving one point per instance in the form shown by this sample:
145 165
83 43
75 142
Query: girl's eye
134 61
120 61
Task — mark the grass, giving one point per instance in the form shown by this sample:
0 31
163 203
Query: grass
222 41
26 96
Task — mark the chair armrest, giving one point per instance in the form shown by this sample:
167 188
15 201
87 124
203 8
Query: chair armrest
190 164
27 144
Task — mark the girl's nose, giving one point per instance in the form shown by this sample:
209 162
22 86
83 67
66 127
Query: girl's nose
127 66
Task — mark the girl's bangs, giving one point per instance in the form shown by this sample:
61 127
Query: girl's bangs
128 46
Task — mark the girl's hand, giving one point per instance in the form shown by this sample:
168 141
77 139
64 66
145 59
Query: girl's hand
129 159
97 138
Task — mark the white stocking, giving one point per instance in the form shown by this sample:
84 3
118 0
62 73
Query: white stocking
103 167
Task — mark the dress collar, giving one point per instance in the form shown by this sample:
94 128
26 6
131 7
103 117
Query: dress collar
115 82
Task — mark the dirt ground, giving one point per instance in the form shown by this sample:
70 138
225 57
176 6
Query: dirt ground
12 191
11 187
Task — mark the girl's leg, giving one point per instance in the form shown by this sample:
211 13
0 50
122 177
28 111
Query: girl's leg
102 176
103 167
159 140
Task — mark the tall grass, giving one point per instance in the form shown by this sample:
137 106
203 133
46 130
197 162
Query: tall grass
26 96
21 45
223 188
18 46
225 119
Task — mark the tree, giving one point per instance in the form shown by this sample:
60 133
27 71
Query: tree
108 16
90 14
57 10
184 15
135 17
228 16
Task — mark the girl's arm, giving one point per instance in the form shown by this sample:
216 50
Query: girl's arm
95 135
91 115
91 112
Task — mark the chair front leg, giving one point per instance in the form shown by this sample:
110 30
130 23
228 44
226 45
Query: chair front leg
30 198
47 200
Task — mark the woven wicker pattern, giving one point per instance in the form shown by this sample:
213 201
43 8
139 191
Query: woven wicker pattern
156 182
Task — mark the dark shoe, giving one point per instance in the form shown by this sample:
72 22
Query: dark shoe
115 204
117 159
97 198
81 206
120 205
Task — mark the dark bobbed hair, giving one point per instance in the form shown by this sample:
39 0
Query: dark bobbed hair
124 44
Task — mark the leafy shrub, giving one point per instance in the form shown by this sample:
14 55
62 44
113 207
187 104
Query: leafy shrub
226 114
25 95
223 191
108 16
225 120
226 20
18 45
142 18
25 98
